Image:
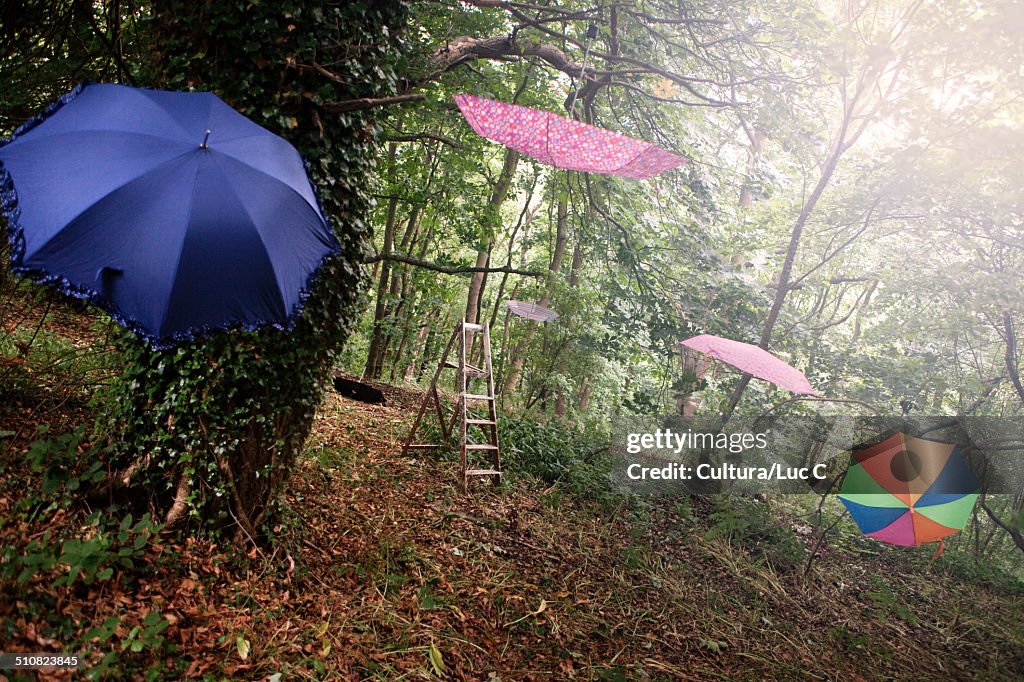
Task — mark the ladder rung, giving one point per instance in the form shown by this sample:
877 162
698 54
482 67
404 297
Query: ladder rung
483 472
476 396
481 421
470 369
481 446
472 327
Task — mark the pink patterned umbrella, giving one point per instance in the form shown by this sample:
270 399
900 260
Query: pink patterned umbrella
752 360
563 142
532 311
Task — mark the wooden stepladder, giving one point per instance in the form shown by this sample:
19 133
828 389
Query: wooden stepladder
466 374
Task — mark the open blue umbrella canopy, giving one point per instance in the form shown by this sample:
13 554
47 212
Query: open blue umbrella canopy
170 210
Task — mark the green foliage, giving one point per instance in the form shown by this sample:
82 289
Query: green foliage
551 452
96 557
752 526
105 550
887 603
34 355
63 467
122 656
546 450
93 555
556 452
984 570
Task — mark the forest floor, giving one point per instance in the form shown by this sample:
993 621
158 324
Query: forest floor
384 569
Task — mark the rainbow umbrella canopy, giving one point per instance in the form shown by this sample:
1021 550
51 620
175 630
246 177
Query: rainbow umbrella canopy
564 143
908 491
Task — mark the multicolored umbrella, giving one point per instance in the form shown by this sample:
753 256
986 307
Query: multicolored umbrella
752 360
531 311
565 143
170 210
907 490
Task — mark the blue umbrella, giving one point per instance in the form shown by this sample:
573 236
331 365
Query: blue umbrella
170 210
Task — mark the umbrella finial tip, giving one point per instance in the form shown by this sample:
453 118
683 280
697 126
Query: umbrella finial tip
205 139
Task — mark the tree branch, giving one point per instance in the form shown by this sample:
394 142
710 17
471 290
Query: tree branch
368 103
459 270
1011 354
465 48
1018 537
424 136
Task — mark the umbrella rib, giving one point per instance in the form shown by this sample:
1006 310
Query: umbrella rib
316 209
252 222
224 140
177 262
271 177
643 150
154 97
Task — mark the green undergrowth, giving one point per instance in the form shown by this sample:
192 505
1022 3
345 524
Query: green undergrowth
50 345
551 453
754 527
57 546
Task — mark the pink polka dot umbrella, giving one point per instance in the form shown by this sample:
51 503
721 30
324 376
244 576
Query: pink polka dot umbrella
564 143
752 360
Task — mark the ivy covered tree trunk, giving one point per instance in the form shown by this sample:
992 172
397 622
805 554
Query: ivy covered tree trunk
209 432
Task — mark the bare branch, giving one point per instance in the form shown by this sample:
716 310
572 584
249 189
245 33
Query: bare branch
368 103
352 104
651 19
465 48
1011 354
415 137
449 270
1018 537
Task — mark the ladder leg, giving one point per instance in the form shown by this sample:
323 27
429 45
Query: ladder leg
415 424
492 406
432 393
463 464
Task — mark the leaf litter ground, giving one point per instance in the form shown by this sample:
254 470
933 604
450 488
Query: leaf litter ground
384 569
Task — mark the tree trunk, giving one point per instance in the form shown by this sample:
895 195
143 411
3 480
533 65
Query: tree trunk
397 296
493 218
518 357
561 402
1010 357
585 392
857 115
420 343
212 439
375 354
756 139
